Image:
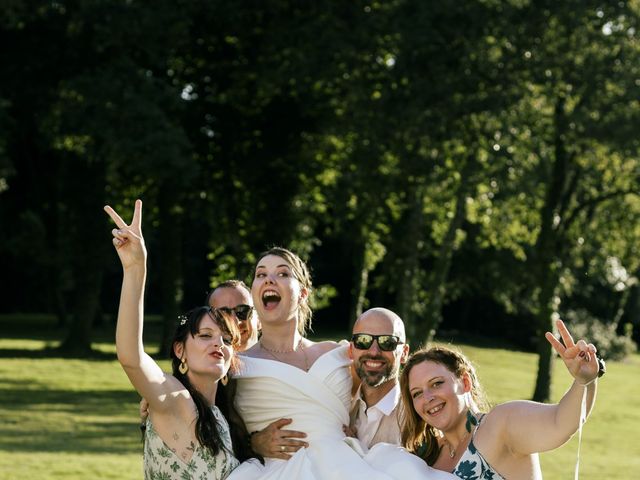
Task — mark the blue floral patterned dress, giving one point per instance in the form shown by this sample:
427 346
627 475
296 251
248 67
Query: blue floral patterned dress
162 463
472 465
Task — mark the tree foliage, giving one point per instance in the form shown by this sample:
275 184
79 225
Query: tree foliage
460 162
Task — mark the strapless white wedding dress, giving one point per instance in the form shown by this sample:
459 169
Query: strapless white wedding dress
318 402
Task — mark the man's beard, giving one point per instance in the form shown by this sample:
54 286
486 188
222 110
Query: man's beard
375 379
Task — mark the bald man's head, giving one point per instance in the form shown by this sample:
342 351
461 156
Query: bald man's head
379 316
373 365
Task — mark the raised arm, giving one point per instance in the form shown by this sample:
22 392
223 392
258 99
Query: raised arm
535 427
143 372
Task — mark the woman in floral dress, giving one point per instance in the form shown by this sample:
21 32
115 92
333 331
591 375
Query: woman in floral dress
187 434
445 425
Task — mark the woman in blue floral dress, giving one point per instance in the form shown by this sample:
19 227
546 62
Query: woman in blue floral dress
444 425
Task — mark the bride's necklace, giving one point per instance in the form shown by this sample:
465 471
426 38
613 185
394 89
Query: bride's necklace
298 347
273 350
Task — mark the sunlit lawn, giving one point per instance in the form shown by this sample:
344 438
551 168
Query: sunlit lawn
77 419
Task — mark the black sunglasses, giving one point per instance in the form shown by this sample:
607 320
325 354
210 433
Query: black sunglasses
387 343
242 312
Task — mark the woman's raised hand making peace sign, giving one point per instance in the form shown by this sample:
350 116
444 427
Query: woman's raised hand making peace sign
580 358
128 239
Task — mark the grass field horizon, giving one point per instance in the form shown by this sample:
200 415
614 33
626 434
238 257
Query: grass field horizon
78 418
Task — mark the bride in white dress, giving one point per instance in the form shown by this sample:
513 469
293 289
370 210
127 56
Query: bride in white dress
287 375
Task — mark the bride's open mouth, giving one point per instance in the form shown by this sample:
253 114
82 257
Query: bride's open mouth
270 299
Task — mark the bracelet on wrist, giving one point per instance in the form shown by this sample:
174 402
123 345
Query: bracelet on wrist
602 369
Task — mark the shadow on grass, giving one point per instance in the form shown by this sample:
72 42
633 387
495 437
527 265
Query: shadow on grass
31 345
45 329
39 420
55 352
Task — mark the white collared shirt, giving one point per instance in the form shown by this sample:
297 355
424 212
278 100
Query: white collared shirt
368 419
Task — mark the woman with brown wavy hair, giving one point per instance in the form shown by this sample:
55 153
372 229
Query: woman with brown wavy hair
447 426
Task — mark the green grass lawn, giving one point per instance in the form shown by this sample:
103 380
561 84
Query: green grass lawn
78 419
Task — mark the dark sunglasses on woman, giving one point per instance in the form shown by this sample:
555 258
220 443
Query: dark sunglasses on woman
242 312
387 343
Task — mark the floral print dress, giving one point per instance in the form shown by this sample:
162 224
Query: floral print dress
162 463
472 465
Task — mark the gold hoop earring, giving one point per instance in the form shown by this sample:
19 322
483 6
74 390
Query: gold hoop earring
224 380
183 368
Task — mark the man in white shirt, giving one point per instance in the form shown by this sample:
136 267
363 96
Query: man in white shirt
378 348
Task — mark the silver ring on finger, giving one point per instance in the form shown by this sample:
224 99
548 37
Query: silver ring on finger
282 448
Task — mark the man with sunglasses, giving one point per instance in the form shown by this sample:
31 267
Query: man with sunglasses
378 348
234 298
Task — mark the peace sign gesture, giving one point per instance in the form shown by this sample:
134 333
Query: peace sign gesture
580 358
128 239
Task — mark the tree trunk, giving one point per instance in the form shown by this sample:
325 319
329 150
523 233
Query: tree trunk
547 254
621 307
90 237
436 281
412 232
360 282
89 283
59 305
629 307
544 322
170 263
436 284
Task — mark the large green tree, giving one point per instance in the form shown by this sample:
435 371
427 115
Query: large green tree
574 160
